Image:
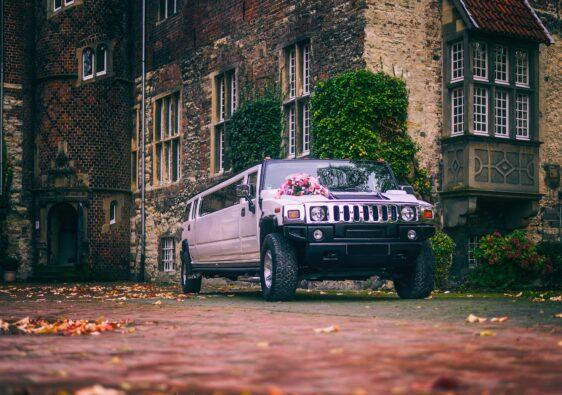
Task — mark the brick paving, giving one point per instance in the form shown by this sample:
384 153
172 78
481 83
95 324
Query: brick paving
230 341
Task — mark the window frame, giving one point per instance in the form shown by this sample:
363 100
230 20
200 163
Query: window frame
485 60
296 73
527 68
506 110
135 146
103 46
167 133
168 254
113 212
484 104
456 61
163 16
225 103
507 69
527 120
87 77
462 113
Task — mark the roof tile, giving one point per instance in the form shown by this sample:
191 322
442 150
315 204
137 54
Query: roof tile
513 18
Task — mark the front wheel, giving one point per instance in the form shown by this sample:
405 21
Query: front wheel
190 283
418 281
279 268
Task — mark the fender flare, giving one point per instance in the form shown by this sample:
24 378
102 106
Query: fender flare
268 225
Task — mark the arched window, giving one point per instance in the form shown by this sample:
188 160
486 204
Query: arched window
101 59
87 64
112 212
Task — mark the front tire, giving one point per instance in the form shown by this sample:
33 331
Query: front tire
417 282
190 283
279 268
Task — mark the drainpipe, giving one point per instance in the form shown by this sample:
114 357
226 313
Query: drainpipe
1 95
143 148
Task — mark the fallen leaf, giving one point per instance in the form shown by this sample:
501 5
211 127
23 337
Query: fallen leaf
273 390
473 319
336 351
556 298
263 344
519 295
444 383
486 333
116 360
99 390
499 320
559 315
158 302
328 329
560 343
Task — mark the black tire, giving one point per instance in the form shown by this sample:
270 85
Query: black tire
418 282
190 283
284 269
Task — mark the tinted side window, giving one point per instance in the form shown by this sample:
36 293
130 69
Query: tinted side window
188 211
219 200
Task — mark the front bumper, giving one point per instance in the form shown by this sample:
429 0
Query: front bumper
367 247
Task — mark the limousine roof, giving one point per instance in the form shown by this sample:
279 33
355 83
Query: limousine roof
272 161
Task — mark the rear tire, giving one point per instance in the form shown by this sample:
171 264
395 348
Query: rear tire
417 282
279 268
190 283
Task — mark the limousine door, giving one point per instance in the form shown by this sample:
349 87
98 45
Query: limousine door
249 242
217 226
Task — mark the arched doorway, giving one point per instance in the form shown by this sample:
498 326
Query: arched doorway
63 235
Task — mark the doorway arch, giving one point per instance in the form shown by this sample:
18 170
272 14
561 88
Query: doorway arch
63 235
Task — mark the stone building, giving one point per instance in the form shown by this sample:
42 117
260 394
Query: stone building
483 77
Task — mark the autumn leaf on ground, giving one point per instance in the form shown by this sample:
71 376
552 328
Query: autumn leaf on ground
486 333
559 315
473 319
65 327
560 343
499 320
556 298
157 303
328 329
263 344
99 390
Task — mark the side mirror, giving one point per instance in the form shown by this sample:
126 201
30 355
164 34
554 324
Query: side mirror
407 188
243 191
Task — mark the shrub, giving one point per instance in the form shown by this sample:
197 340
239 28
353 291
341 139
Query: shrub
552 250
255 131
510 261
363 115
443 247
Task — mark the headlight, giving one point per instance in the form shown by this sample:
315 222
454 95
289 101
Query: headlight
407 213
318 214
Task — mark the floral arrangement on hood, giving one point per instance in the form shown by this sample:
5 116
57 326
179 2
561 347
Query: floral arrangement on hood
302 184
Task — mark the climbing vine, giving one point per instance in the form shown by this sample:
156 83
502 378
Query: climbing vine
363 115
255 131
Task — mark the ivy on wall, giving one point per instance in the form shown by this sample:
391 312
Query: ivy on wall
363 115
255 131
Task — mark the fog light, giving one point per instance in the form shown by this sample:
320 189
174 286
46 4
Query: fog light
412 235
318 234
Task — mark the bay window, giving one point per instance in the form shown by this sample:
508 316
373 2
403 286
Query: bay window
522 116
480 110
502 113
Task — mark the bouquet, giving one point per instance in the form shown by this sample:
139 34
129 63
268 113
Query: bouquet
302 184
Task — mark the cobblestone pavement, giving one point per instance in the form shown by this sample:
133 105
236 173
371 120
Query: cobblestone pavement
227 340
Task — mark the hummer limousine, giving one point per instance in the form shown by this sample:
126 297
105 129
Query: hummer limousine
292 220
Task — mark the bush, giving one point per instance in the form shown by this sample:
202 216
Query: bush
255 131
510 261
363 115
553 250
443 247
9 264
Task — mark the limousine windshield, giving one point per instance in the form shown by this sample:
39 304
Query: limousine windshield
337 176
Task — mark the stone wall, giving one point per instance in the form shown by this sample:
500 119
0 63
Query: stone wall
403 38
547 223
18 130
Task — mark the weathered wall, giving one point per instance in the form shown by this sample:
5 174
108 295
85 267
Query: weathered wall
403 38
547 222
249 35
17 128
91 119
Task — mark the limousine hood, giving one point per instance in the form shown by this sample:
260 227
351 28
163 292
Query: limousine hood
390 195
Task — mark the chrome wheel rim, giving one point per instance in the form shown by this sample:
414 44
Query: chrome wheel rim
268 269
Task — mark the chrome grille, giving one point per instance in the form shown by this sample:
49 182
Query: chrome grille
370 213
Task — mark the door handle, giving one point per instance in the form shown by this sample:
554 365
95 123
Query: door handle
243 212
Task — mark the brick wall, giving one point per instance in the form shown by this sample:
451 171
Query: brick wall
17 127
92 118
